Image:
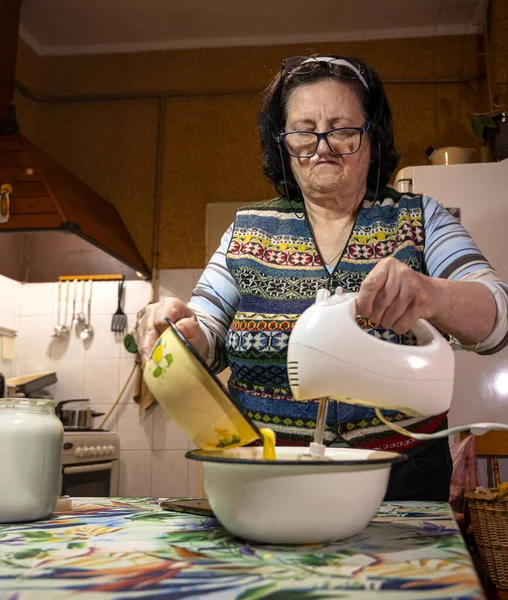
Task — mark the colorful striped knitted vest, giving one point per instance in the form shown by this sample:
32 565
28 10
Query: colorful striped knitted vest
276 266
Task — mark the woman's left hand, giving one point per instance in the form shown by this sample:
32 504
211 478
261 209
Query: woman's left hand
395 297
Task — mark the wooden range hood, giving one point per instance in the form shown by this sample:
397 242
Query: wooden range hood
45 196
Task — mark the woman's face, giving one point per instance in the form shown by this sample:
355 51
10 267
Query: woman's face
319 107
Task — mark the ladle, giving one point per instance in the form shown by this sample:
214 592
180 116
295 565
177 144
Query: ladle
80 320
57 330
87 331
64 330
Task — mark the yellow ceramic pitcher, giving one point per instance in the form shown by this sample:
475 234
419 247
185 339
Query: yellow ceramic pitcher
194 397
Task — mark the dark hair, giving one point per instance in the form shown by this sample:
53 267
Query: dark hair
272 119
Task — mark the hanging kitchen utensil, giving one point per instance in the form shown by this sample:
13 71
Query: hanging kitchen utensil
57 330
81 319
64 330
87 331
74 295
119 320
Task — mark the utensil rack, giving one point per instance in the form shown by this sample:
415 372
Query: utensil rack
91 277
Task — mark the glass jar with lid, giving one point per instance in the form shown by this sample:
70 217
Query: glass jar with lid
31 442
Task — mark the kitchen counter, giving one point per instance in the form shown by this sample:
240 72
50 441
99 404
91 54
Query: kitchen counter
129 548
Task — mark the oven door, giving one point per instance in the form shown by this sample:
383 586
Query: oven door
94 480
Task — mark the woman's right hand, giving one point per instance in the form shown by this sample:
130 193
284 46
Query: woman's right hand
153 323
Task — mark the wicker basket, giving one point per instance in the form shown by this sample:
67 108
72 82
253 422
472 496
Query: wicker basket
489 518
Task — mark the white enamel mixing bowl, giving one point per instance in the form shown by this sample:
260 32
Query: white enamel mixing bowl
289 501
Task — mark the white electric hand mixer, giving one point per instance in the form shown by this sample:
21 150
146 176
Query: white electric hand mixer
330 356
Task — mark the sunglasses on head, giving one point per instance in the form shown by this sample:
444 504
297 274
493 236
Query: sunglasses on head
303 65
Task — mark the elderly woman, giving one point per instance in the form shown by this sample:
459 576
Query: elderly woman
327 137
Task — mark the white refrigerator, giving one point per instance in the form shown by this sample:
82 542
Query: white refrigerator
480 191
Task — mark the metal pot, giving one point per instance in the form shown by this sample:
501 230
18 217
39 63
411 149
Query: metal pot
451 155
76 418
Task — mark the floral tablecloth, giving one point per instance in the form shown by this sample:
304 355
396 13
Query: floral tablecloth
126 548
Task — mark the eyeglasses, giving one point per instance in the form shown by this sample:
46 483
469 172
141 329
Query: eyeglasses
303 65
343 140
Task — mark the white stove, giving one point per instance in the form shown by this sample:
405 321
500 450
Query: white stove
90 446
90 463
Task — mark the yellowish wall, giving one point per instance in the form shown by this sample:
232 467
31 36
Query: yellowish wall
498 53
211 151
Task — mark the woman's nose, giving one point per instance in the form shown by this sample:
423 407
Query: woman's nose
323 148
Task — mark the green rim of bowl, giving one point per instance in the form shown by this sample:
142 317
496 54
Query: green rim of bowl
208 456
217 381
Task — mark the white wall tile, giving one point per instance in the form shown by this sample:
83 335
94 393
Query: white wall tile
71 378
126 365
105 407
9 320
104 343
135 472
69 346
102 377
40 299
7 368
136 295
135 430
32 365
169 474
104 297
34 337
166 433
177 283
8 349
10 292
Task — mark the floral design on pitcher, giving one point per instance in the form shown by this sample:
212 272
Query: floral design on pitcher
226 438
163 361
